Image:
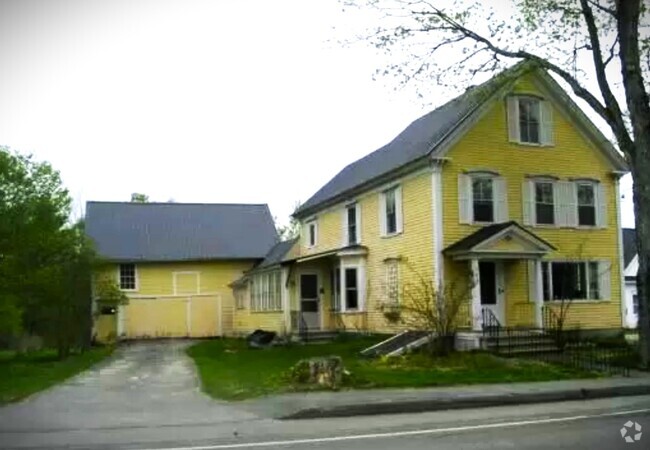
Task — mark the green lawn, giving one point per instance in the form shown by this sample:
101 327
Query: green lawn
23 375
231 371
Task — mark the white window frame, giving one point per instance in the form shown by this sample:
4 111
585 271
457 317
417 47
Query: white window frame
500 207
135 275
346 224
595 192
312 224
546 128
603 296
266 295
383 212
535 182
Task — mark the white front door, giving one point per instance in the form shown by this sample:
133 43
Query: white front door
492 290
309 301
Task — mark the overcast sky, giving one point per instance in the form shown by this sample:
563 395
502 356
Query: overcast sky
196 101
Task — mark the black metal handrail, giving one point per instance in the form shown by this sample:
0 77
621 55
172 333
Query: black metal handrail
491 324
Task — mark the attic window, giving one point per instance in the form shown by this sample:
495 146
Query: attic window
530 120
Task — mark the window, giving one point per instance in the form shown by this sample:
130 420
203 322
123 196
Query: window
392 282
483 199
351 289
127 277
351 224
586 204
391 211
544 207
635 304
529 120
266 291
312 233
574 280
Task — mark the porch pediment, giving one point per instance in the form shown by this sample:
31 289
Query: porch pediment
500 241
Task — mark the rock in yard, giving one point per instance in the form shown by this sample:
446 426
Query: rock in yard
323 371
260 338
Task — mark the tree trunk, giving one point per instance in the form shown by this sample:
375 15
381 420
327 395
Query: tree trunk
641 175
638 153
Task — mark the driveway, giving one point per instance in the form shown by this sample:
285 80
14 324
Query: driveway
146 384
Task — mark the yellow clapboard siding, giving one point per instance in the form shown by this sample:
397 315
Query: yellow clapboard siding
486 146
159 307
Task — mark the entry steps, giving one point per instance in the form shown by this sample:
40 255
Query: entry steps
398 344
520 343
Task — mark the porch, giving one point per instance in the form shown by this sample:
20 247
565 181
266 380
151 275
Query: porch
503 263
328 293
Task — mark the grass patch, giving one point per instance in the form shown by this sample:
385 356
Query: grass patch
22 375
231 371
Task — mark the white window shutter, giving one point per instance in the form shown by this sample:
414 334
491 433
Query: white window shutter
344 227
566 204
399 213
572 204
464 198
546 125
532 281
358 207
601 205
382 214
605 282
500 199
513 119
528 201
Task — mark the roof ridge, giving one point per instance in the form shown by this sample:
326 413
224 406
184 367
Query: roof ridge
174 203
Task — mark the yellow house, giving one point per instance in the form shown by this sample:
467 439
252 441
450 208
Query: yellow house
508 188
175 262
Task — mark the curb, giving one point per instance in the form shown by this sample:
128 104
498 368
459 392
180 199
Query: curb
416 406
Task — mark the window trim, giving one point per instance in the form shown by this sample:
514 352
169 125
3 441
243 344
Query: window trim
549 282
357 288
488 176
136 282
553 195
262 297
594 188
539 101
383 211
346 224
309 224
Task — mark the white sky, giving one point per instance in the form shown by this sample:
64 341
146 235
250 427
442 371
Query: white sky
196 101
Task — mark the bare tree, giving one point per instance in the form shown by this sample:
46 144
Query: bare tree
609 37
427 307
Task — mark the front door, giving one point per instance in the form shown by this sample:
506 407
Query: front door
309 301
492 289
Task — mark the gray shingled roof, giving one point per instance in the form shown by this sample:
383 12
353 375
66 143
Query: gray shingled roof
277 253
629 245
417 141
485 233
179 231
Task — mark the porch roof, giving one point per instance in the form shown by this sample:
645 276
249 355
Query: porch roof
350 250
507 240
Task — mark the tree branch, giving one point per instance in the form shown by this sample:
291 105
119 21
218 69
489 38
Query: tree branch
602 8
612 107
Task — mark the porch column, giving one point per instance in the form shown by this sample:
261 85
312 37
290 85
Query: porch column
286 300
539 293
476 295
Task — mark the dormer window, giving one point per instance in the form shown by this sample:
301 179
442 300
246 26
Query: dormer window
530 120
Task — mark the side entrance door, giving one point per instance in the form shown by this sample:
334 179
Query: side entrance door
492 289
309 301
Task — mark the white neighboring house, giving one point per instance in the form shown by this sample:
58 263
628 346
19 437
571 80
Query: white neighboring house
631 264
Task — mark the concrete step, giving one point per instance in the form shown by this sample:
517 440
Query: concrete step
319 336
523 350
